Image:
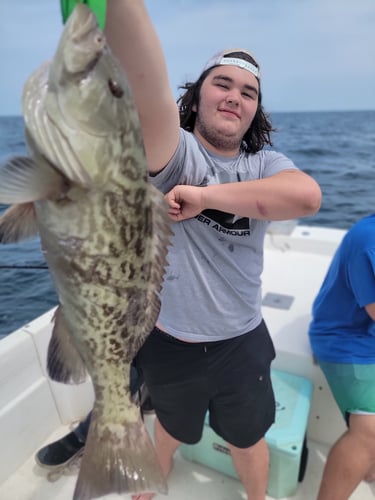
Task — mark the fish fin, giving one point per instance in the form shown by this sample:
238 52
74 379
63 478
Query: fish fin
118 459
64 363
42 134
18 223
22 180
162 234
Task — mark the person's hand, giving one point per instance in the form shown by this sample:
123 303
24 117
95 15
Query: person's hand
184 202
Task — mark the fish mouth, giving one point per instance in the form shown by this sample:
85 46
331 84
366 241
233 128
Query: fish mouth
80 47
83 21
84 40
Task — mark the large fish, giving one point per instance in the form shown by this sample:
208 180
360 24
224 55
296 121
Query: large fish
104 230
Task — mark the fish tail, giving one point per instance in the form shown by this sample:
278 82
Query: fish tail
118 459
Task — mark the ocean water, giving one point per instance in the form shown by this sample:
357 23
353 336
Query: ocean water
336 148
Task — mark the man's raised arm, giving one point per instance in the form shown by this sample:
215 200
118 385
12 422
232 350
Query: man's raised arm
134 41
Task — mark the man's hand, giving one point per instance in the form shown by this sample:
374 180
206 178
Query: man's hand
185 202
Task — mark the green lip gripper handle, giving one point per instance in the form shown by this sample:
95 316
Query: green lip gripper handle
99 8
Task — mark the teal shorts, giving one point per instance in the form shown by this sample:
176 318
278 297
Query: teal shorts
353 387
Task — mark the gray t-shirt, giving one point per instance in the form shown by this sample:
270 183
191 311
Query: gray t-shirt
212 285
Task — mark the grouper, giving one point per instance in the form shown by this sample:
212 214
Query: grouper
104 230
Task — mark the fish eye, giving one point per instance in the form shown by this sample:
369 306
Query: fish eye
115 88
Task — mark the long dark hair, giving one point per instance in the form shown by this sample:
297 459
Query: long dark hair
256 136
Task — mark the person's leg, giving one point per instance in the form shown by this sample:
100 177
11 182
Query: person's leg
244 407
351 459
165 446
82 429
175 375
252 467
65 449
370 476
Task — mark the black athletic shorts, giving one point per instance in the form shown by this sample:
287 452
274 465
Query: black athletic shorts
230 378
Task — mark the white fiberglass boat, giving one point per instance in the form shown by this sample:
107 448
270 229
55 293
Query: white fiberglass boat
34 410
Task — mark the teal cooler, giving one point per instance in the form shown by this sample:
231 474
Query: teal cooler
285 439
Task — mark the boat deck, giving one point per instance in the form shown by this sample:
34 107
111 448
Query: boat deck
187 481
35 411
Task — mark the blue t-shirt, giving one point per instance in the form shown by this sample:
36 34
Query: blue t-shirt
341 330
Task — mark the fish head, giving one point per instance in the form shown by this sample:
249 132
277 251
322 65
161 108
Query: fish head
78 107
85 79
81 44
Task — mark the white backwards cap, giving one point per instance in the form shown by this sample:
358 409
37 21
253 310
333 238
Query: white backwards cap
221 58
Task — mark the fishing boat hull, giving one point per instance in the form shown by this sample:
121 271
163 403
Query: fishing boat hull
35 410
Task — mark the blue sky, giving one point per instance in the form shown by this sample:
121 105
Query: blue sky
314 54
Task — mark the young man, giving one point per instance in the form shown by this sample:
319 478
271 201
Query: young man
342 335
210 349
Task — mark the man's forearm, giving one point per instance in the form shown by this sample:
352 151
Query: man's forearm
135 43
284 196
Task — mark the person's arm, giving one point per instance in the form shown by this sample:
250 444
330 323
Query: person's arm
134 42
370 309
287 195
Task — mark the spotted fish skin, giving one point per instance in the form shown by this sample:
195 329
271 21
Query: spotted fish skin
104 230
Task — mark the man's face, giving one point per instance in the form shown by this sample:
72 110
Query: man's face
228 103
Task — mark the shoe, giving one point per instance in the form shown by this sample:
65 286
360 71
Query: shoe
59 452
